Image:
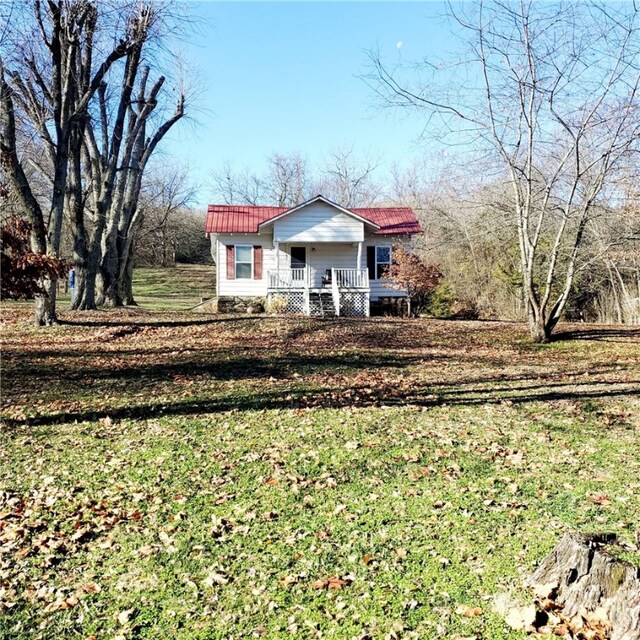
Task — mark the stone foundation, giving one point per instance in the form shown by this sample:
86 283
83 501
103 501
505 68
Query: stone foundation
237 304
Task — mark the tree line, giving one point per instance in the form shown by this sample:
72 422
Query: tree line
544 97
469 231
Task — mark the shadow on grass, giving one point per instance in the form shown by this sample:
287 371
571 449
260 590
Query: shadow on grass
136 321
605 334
262 363
283 374
352 396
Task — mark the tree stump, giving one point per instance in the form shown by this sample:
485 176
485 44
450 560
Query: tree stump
585 581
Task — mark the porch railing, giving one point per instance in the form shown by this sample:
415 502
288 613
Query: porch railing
350 278
297 278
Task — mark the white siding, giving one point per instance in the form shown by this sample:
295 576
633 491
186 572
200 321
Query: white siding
318 222
242 286
378 288
326 256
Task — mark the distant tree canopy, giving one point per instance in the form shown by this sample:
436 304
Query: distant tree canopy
23 270
345 177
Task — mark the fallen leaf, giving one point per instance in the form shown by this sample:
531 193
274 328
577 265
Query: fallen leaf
336 583
215 578
91 587
72 601
319 584
521 617
332 582
124 616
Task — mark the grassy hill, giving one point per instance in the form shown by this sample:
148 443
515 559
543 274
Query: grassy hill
179 288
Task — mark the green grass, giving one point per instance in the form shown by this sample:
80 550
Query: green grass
175 476
178 288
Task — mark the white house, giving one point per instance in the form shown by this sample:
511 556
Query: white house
322 258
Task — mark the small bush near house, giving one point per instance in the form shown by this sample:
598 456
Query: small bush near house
417 277
276 304
441 301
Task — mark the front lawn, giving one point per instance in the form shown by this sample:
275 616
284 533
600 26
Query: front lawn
187 476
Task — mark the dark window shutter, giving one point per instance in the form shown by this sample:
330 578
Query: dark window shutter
257 262
371 262
231 262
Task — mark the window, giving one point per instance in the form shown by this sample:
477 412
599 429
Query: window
244 261
383 261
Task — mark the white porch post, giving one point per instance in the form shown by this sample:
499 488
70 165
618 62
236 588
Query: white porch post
359 257
276 246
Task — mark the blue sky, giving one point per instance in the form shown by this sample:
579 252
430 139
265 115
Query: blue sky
283 77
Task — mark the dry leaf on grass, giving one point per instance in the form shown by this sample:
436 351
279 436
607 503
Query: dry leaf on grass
124 616
215 578
521 617
331 582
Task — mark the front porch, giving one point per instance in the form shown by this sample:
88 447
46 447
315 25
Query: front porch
336 292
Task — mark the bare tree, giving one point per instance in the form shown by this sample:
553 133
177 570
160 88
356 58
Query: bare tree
551 92
99 149
617 256
284 183
163 204
123 216
288 180
348 179
52 79
48 87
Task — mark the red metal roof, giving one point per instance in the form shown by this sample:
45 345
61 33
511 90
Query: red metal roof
391 220
229 218
226 218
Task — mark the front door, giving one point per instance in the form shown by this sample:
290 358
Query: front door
298 262
298 257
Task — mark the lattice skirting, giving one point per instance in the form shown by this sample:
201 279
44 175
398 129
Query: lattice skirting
295 300
354 303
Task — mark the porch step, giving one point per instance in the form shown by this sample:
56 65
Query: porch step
321 304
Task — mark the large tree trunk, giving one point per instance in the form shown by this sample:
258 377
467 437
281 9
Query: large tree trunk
126 281
45 308
87 262
109 270
538 331
589 584
538 326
